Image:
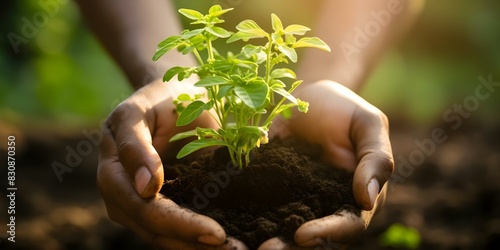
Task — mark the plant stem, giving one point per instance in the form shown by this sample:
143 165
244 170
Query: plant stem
198 57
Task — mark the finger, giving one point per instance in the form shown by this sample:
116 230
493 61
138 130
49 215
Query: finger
333 230
370 133
161 216
278 244
175 244
132 134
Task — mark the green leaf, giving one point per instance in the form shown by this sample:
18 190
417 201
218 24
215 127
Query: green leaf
184 135
172 72
295 85
224 90
207 133
296 29
283 73
218 32
245 36
167 45
197 145
285 94
290 39
276 23
249 50
251 136
211 81
190 113
184 98
214 9
191 33
217 10
191 14
248 26
288 52
312 42
253 94
275 83
248 29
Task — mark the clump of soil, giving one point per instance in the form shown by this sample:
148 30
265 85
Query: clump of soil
285 185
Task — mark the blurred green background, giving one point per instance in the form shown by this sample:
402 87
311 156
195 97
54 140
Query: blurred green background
61 77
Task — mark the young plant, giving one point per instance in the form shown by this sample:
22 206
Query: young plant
243 102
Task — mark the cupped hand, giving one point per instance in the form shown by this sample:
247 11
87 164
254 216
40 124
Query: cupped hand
130 171
355 137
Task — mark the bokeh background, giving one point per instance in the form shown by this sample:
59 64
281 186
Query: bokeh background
58 84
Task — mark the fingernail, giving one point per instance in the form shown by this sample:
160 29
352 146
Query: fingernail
209 239
373 188
142 178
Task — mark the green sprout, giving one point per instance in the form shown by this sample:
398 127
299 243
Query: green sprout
244 103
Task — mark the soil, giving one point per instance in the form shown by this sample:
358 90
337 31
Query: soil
452 199
285 185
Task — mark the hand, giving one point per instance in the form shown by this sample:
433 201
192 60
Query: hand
355 137
130 171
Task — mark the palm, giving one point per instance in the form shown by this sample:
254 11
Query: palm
353 133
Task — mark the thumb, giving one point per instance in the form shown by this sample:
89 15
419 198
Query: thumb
370 132
135 150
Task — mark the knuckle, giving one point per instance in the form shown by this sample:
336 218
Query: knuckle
121 112
386 161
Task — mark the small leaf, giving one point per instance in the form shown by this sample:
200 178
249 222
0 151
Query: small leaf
211 81
217 10
167 45
276 22
275 83
197 145
249 50
285 94
209 105
218 32
296 29
248 29
214 9
172 72
312 42
248 26
253 94
302 106
207 133
288 52
191 14
295 85
191 33
190 113
283 73
245 36
183 135
224 90
290 39
184 98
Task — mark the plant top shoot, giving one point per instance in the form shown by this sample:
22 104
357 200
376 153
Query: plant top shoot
243 102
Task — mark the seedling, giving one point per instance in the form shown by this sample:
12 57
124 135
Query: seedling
241 100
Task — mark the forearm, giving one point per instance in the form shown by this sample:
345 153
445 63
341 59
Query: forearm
130 31
358 33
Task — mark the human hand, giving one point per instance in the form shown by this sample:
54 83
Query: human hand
355 137
130 171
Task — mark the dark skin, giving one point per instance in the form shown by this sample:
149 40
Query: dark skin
130 173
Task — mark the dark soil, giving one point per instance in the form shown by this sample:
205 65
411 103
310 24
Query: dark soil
285 185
